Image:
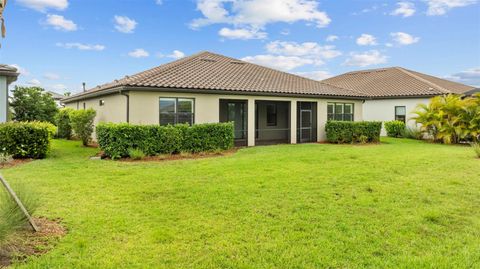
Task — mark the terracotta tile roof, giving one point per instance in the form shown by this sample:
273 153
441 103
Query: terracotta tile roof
208 71
396 82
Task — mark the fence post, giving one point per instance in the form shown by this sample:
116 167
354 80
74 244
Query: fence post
19 203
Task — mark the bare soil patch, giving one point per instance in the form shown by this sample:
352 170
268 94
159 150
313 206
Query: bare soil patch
173 157
26 243
14 162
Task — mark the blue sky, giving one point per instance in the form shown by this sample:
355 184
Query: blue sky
58 44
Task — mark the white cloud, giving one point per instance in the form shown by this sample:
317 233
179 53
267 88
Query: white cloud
124 24
23 71
316 75
440 7
366 40
403 39
311 50
51 76
159 2
57 87
176 54
280 62
242 33
331 38
139 53
367 58
256 14
34 82
405 9
470 77
81 46
60 23
44 5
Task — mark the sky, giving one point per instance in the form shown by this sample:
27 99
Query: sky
58 44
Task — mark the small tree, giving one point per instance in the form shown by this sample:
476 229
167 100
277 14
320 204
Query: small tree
33 104
62 120
82 124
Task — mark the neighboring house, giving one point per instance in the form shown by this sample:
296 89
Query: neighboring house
57 98
267 106
8 74
395 92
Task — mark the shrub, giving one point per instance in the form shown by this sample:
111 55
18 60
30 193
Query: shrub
136 154
26 139
5 158
476 148
451 118
62 120
11 216
116 139
395 128
32 104
82 124
353 132
413 133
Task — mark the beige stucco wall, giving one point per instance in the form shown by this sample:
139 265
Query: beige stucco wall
384 110
114 109
144 108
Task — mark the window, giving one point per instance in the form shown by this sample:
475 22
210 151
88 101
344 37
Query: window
101 102
340 111
176 110
400 113
271 115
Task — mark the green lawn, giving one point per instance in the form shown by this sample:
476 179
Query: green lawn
403 203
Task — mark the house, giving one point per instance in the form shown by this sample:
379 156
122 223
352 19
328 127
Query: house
8 74
395 92
57 98
267 106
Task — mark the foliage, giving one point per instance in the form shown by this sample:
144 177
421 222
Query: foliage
353 132
5 158
82 124
272 204
26 139
450 118
136 154
116 139
33 104
62 120
476 148
395 128
11 216
413 133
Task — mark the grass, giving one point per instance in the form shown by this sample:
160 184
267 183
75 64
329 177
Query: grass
401 204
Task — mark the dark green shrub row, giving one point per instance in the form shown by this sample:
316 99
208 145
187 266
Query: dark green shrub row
117 139
353 132
26 139
395 128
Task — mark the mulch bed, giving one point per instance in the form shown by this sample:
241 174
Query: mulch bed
173 157
28 243
14 162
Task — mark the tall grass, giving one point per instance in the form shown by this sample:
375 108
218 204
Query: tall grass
11 217
476 148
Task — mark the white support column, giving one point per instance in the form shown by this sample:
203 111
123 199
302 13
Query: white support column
293 122
251 122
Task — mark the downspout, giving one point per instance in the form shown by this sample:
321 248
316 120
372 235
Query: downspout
128 104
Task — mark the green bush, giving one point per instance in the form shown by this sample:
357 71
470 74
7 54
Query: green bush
395 128
26 139
413 133
116 139
136 154
82 124
62 120
353 132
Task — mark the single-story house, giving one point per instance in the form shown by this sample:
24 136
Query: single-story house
267 106
8 74
395 92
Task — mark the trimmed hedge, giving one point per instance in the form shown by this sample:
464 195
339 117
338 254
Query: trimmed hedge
62 120
26 139
353 132
395 128
116 139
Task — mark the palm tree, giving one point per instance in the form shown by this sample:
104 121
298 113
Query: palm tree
3 3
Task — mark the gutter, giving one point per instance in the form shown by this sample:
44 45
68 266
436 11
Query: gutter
128 103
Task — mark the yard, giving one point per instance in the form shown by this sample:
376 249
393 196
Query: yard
403 203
